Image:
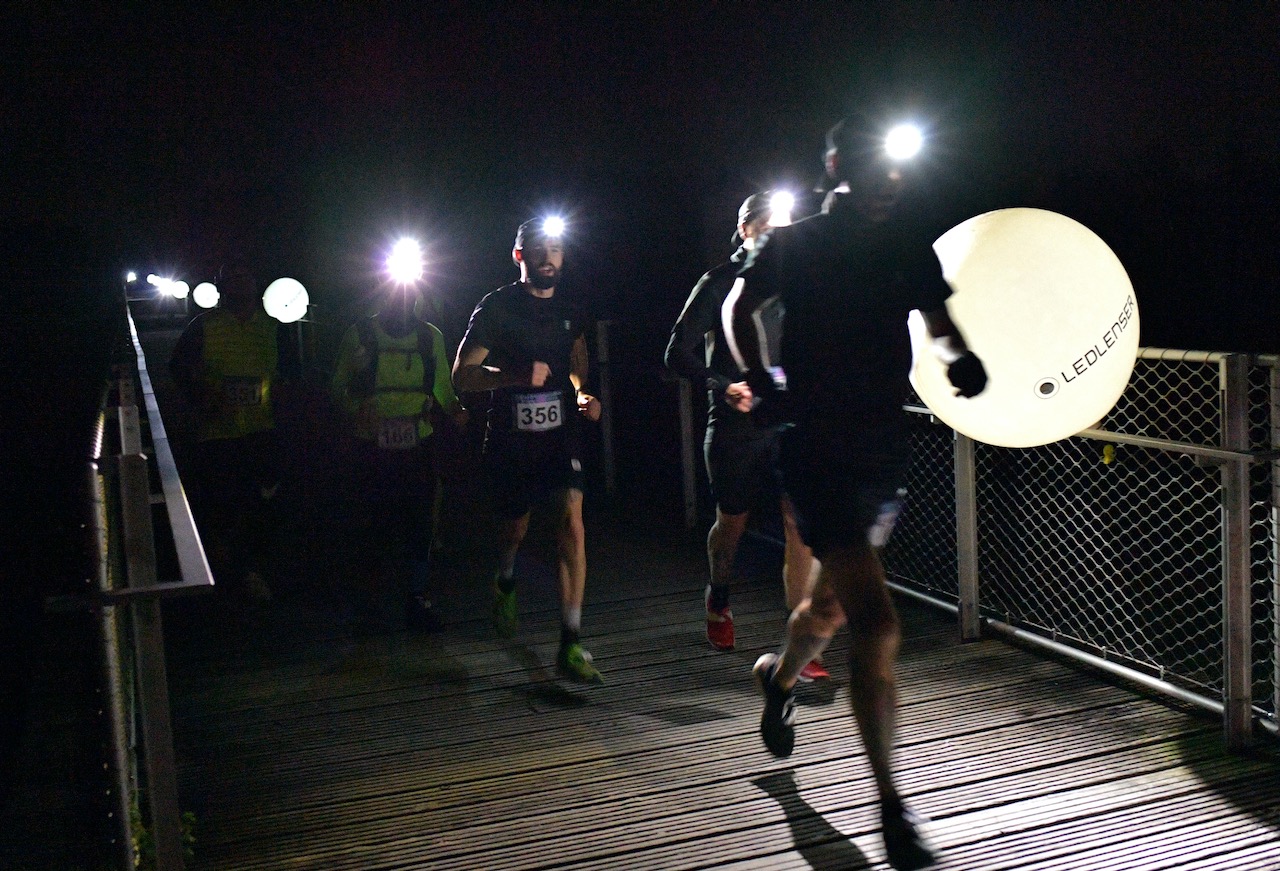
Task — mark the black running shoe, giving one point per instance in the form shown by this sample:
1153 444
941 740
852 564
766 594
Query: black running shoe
903 844
777 723
420 615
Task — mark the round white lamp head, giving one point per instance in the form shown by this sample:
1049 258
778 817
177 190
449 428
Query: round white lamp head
1049 309
205 294
286 300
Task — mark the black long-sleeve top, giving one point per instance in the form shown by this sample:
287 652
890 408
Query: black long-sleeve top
689 354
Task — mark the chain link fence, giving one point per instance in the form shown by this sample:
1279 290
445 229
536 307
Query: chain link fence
1133 543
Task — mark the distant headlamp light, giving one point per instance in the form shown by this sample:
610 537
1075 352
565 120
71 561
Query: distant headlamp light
205 294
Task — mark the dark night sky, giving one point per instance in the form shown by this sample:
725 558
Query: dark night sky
311 134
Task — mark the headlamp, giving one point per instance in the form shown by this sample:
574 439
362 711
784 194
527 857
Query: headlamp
553 227
404 263
903 142
781 204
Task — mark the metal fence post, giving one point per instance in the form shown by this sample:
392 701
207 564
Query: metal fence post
151 673
967 537
606 406
1273 402
113 677
688 469
1236 599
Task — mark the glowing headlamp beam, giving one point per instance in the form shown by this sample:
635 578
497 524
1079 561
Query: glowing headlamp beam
781 204
553 227
903 142
405 263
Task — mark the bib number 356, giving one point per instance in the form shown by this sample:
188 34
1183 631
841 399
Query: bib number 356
537 412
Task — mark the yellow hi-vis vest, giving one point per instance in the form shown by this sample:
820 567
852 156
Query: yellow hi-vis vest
404 375
240 360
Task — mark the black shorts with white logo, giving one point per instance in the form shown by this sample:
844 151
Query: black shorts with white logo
524 469
845 484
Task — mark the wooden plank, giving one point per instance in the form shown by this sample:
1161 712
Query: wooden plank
397 758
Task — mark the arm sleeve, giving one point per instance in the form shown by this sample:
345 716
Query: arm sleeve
922 272
758 286
686 350
481 329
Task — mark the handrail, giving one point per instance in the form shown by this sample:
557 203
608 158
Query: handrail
1176 447
192 562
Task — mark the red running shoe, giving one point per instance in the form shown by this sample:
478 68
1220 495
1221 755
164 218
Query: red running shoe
814 671
720 629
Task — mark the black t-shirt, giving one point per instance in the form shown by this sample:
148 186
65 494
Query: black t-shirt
519 328
847 285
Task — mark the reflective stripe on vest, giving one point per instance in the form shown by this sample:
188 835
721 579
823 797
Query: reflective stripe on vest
240 363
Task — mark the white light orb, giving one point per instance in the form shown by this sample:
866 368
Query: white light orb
404 263
781 204
286 300
903 142
553 227
178 289
205 294
1049 309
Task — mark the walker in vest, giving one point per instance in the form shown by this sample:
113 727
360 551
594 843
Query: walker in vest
240 359
400 378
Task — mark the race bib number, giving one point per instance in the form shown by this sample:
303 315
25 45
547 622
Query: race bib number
242 392
398 433
537 412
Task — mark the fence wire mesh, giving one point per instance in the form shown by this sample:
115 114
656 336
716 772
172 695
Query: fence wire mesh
1114 548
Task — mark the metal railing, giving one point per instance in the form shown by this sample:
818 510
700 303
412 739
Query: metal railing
141 757
1146 546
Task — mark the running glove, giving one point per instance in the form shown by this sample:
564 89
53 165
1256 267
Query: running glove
967 375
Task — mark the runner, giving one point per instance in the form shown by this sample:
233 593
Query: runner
740 453
846 280
528 346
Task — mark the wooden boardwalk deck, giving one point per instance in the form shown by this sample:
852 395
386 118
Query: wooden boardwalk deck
304 746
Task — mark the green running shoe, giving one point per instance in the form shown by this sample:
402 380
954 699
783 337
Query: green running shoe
575 663
506 619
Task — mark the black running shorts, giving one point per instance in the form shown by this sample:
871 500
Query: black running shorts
844 487
742 467
522 470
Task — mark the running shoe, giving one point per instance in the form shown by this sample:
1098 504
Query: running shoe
575 663
903 844
815 670
506 619
777 723
420 615
720 628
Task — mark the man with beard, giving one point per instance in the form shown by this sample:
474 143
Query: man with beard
528 346
837 370
740 452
